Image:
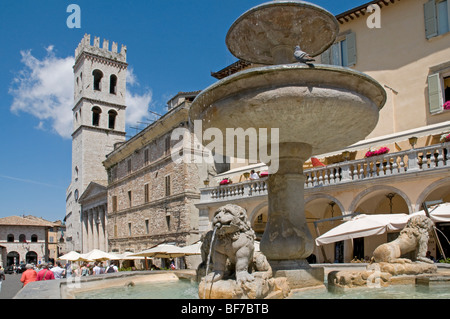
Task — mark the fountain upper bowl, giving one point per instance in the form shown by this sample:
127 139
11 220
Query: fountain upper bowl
325 106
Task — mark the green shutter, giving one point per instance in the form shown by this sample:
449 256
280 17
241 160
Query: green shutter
325 57
434 93
351 49
431 28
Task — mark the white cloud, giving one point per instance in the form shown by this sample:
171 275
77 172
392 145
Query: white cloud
44 89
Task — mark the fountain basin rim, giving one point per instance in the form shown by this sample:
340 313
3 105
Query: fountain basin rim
255 58
223 88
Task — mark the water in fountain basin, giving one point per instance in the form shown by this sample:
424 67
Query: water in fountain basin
180 289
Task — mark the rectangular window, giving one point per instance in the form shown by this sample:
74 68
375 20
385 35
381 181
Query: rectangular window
114 203
342 53
129 199
438 90
129 165
442 16
167 145
146 156
146 193
129 229
147 229
437 17
167 185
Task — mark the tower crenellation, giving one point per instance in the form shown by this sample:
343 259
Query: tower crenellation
103 50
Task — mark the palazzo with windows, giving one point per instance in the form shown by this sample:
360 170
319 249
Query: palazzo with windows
24 240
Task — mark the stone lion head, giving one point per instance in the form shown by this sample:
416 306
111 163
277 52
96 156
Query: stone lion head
420 222
230 219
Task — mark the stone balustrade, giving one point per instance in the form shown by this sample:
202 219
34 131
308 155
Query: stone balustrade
405 162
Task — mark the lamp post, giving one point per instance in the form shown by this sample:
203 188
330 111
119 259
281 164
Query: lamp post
412 141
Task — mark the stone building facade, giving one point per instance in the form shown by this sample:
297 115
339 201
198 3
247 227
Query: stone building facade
151 196
93 217
98 123
23 240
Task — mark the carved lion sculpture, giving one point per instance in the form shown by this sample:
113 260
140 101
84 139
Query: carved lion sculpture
233 245
414 237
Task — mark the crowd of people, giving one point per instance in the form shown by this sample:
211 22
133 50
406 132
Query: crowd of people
47 271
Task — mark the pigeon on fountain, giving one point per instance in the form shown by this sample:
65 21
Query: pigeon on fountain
302 56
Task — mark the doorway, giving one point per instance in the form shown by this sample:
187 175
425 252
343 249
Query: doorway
358 248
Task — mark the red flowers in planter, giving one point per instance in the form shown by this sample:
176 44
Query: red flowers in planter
381 151
447 105
225 181
445 138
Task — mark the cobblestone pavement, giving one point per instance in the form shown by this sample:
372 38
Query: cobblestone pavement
10 286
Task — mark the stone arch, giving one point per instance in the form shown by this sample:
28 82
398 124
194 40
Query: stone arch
13 257
379 190
98 75
435 191
327 197
96 111
113 84
31 257
259 224
112 114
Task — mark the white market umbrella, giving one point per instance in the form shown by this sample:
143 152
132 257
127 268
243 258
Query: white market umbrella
194 249
71 256
126 256
98 255
161 251
363 226
439 213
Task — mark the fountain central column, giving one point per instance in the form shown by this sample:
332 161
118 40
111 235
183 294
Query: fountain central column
286 236
287 241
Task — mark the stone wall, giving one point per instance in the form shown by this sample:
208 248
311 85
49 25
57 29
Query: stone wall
141 216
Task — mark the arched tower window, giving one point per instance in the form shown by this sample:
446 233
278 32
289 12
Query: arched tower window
113 84
10 238
98 75
96 115
22 238
112 119
34 238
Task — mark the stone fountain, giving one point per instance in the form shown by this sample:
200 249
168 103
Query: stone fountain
317 109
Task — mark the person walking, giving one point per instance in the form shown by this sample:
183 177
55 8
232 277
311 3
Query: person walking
58 271
45 273
2 277
28 275
97 270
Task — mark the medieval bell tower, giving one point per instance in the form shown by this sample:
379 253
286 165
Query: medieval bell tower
98 122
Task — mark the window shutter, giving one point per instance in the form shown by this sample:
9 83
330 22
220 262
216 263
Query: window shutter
351 49
325 57
434 93
336 54
431 29
448 15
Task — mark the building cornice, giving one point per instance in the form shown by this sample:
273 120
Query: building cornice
100 102
100 59
98 129
359 11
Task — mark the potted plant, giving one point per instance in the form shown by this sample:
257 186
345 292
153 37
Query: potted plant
445 138
225 181
447 105
380 151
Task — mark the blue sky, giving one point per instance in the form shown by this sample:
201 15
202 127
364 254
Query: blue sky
172 46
